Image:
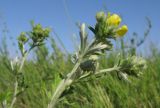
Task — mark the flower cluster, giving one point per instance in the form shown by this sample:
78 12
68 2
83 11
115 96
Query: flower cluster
22 38
133 66
107 26
37 35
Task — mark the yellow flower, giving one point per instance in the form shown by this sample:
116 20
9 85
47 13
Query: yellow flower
122 31
113 20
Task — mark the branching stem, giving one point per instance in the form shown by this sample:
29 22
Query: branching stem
63 85
16 82
69 80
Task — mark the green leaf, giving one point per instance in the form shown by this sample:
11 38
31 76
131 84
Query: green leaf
5 96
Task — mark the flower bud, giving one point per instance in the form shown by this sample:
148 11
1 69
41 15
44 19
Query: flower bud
122 31
22 38
46 32
100 16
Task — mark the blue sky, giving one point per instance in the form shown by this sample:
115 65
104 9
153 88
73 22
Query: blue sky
61 16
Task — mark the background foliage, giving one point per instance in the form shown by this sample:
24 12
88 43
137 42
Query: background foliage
44 71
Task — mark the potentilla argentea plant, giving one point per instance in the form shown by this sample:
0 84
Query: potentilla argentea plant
86 58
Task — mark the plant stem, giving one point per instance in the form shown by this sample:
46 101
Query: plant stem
68 81
60 89
14 95
16 82
22 63
99 72
63 85
107 70
4 104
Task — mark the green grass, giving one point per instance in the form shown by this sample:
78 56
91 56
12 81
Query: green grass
41 76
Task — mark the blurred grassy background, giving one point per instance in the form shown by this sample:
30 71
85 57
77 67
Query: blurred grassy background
42 74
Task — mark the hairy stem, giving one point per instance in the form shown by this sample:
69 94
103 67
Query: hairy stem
103 71
16 82
4 104
15 94
63 85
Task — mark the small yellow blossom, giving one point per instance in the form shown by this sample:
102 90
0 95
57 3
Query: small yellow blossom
122 31
113 20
